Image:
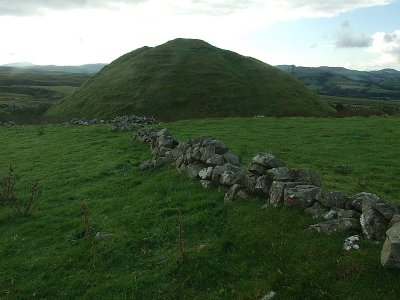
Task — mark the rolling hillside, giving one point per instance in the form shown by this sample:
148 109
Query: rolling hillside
187 78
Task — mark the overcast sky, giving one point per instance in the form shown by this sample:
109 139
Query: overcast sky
358 34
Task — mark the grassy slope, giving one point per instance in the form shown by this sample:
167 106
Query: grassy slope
189 79
233 251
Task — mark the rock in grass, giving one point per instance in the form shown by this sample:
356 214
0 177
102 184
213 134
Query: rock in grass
147 164
308 176
373 223
232 192
206 173
316 211
351 243
334 199
268 296
258 169
301 196
280 174
193 171
336 225
268 160
390 255
206 184
276 191
263 184
232 158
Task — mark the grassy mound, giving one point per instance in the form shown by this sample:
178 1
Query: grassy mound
232 251
184 79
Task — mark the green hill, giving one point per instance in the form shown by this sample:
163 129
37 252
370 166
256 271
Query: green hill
187 78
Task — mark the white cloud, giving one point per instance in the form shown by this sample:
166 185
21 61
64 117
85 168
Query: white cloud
347 39
387 46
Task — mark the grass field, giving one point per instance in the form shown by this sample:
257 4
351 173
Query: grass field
231 251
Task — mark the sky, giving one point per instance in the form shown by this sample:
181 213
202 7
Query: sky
356 34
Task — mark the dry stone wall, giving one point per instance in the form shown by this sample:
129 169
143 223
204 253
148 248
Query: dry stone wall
209 160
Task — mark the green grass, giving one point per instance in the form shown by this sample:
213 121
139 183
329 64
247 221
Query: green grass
185 79
362 101
232 251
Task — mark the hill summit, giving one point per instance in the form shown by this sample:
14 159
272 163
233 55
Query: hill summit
188 78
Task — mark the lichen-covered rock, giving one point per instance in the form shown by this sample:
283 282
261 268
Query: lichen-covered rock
159 162
316 211
206 173
390 255
347 213
268 160
258 169
388 210
301 196
351 243
334 199
330 215
232 158
373 223
248 180
227 178
276 191
219 146
263 184
216 160
147 164
308 176
232 192
395 219
206 184
193 171
280 174
336 225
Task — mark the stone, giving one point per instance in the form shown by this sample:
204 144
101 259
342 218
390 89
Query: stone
206 184
243 194
206 152
216 174
102 235
147 164
373 223
330 215
268 296
167 141
301 196
395 219
316 211
232 192
334 199
390 255
206 173
216 160
265 206
276 191
159 162
258 169
308 176
268 160
280 174
248 180
262 186
351 243
232 158
336 225
193 170
388 210
347 213
227 178
219 146
179 161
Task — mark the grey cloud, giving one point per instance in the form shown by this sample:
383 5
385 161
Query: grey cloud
345 24
347 40
34 7
389 37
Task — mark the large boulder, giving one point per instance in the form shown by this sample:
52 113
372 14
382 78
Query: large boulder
258 169
316 211
232 192
308 176
336 225
334 199
232 158
390 255
373 223
280 174
262 186
206 173
301 196
268 160
194 170
276 191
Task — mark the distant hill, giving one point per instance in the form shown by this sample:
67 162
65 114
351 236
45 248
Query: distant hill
335 81
82 69
186 78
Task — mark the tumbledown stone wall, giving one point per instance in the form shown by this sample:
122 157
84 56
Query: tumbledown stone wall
209 160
